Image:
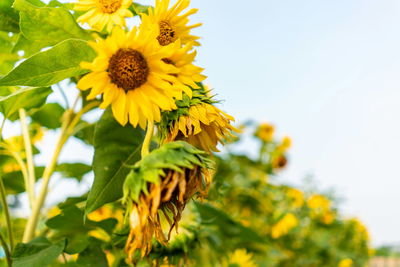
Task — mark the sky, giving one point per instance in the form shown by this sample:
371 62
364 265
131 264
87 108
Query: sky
324 73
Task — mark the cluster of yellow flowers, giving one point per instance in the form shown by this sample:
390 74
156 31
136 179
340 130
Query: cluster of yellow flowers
321 208
145 74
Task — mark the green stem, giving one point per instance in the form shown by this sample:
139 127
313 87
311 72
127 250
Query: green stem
147 139
6 250
30 187
67 130
3 199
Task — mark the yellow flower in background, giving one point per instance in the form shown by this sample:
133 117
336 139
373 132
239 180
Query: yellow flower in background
188 74
346 263
240 258
319 202
297 196
104 13
204 127
287 223
279 161
265 132
328 217
170 24
132 77
285 145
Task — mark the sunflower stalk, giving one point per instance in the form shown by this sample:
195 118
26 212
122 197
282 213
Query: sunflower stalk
30 185
67 130
3 199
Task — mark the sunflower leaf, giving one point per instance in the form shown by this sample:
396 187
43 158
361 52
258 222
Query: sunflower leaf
116 147
51 66
49 115
49 25
26 98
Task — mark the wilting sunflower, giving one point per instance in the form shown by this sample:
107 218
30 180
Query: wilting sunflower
198 122
132 77
189 75
163 181
170 24
104 13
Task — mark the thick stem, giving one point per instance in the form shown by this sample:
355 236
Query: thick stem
30 187
67 130
3 199
6 250
147 139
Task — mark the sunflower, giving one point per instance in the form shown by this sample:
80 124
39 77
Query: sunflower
204 127
104 13
171 26
240 258
162 183
189 75
132 77
282 227
265 132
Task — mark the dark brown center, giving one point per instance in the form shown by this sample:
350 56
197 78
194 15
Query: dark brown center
128 69
167 34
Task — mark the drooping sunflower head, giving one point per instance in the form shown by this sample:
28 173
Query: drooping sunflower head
163 181
104 13
170 23
130 74
198 122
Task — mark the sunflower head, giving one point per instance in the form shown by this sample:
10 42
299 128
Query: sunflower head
198 122
284 225
240 258
104 13
171 25
163 181
130 74
265 132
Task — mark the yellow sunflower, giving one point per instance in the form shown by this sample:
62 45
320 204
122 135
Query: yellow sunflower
132 77
283 227
265 132
171 25
104 13
204 127
188 74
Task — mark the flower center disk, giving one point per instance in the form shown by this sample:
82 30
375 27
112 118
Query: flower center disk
128 69
167 34
110 6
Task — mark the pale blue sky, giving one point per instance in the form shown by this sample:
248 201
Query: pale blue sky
325 73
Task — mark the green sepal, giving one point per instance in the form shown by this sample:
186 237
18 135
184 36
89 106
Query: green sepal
176 156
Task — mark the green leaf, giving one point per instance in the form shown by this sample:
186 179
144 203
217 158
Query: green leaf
73 170
51 66
26 98
49 115
49 25
85 132
9 20
93 255
37 253
28 46
14 181
115 148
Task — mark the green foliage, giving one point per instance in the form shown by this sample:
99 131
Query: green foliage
73 170
49 116
112 156
48 25
26 98
51 66
37 253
